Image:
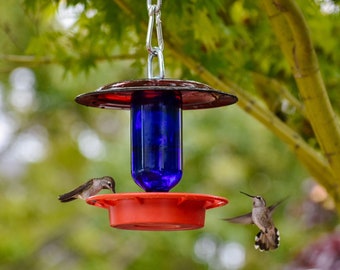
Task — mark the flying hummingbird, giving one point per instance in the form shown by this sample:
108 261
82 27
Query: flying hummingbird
90 188
268 237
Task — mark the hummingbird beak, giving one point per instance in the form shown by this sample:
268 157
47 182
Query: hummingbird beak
247 194
110 185
110 188
113 186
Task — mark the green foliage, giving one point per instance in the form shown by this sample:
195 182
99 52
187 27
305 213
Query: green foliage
225 150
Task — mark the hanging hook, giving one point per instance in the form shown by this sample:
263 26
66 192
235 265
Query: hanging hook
158 5
154 11
150 29
159 54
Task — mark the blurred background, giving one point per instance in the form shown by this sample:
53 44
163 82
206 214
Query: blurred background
50 52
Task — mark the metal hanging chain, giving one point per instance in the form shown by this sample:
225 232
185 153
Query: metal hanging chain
154 11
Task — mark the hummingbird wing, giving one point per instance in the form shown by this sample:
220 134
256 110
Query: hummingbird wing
72 195
244 219
272 207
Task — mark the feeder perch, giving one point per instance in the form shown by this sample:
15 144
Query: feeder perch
157 211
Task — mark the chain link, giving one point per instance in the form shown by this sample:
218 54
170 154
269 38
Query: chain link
154 12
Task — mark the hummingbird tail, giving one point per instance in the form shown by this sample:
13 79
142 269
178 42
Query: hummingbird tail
66 198
265 241
73 194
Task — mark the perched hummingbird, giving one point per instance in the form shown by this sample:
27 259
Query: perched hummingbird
268 237
90 188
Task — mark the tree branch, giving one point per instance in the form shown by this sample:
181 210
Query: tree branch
293 35
32 60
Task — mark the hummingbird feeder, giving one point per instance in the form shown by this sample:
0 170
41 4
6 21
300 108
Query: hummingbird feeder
156 106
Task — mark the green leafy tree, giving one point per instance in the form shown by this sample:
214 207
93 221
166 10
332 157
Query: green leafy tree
280 58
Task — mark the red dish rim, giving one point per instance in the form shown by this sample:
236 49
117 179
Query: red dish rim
157 211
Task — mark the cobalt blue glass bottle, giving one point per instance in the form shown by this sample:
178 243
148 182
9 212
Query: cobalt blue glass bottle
156 139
